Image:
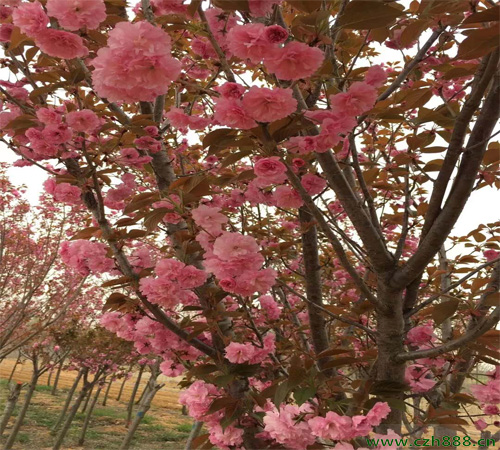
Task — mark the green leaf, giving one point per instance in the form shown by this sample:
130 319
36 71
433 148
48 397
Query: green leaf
281 393
301 395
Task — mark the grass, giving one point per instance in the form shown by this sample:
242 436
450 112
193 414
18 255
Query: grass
184 427
160 429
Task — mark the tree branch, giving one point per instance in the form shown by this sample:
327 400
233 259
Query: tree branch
460 192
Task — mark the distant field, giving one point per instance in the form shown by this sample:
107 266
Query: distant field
164 427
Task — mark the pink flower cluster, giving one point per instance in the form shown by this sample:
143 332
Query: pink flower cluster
422 334
341 118
76 14
179 119
63 192
137 64
236 262
257 105
173 284
489 394
33 21
209 219
198 398
254 41
293 426
248 353
419 378
258 43
86 256
115 197
269 171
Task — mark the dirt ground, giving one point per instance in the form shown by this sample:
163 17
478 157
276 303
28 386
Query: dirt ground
163 428
167 397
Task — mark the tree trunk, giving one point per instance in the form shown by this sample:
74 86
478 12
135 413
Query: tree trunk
87 400
148 394
106 394
14 393
49 378
22 414
130 405
195 431
142 395
120 392
14 368
67 402
56 380
72 413
390 375
81 440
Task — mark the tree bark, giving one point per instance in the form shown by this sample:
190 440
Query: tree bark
120 392
22 413
87 400
14 393
195 431
81 440
131 400
106 394
390 378
14 368
86 388
68 401
56 380
148 394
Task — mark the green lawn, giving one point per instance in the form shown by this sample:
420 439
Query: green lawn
160 429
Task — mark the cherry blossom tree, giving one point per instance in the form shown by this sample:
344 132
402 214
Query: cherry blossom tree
37 291
272 189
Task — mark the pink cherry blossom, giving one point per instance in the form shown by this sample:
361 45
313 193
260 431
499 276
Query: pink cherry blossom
61 44
376 76
230 112
163 7
231 90
270 306
84 120
491 254
30 18
249 41
417 377
358 99
229 246
294 61
268 105
209 218
262 7
270 170
136 65
240 353
63 192
131 157
488 393
225 438
287 197
421 334
76 14
276 34
313 184
86 257
49 116
285 426
6 32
